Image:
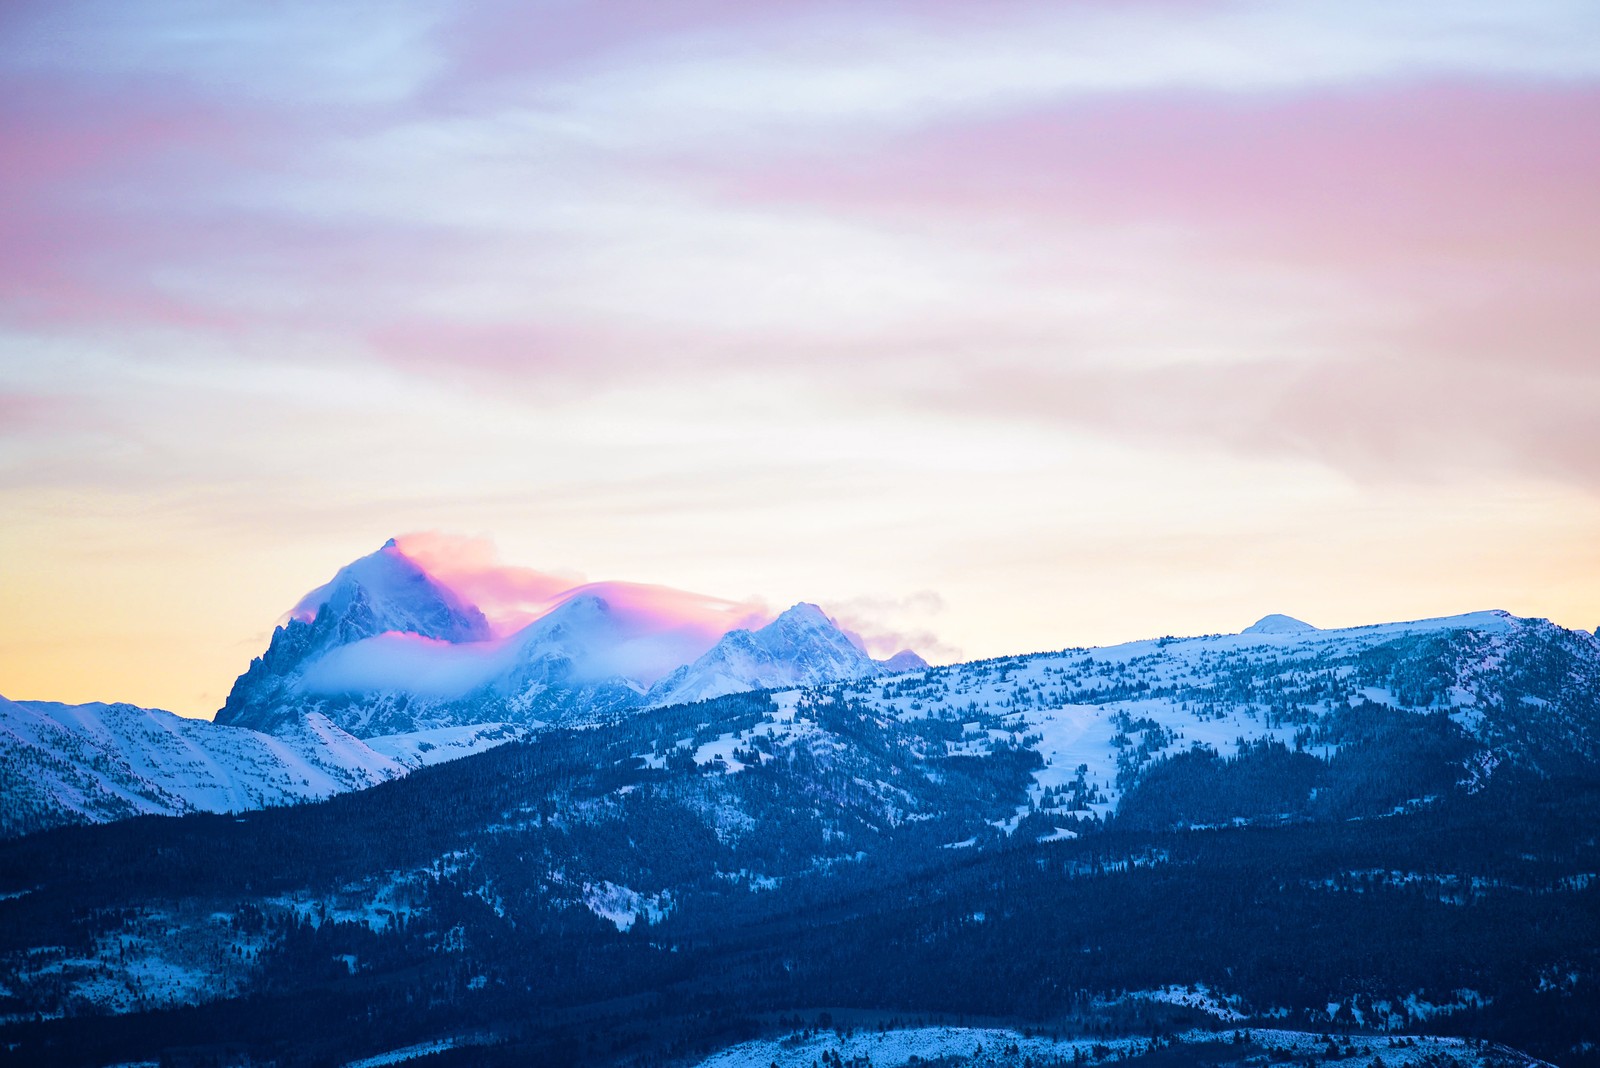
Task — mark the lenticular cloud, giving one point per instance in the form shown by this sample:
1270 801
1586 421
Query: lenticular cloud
513 597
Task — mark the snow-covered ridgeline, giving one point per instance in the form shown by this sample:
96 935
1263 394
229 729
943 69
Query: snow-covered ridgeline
1090 712
62 764
975 1047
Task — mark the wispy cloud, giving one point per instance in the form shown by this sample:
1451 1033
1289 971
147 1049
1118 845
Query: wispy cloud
797 300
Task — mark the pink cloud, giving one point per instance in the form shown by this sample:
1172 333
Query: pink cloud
1453 227
496 40
500 39
646 631
1453 223
27 411
99 193
667 607
663 626
512 597
1366 174
497 355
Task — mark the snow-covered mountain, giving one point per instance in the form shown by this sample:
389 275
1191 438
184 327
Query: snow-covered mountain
387 591
1097 717
802 647
97 762
383 669
65 764
385 649
1278 624
382 594
1522 692
1149 814
904 660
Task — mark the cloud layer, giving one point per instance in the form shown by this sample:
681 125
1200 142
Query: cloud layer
796 302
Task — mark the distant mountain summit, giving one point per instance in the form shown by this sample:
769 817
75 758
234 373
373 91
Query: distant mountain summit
383 593
385 648
387 591
1278 624
904 660
802 647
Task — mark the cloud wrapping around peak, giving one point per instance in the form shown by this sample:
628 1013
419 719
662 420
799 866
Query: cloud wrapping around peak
407 663
513 597
605 630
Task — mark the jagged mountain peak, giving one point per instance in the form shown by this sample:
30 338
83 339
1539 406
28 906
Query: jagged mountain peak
801 647
803 613
388 591
382 593
580 609
799 623
585 624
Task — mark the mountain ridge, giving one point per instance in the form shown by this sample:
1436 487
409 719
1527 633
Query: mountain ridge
67 752
1109 838
384 648
802 647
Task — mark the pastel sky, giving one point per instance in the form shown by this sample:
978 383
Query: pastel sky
991 327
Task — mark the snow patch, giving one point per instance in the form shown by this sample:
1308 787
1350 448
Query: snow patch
624 906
